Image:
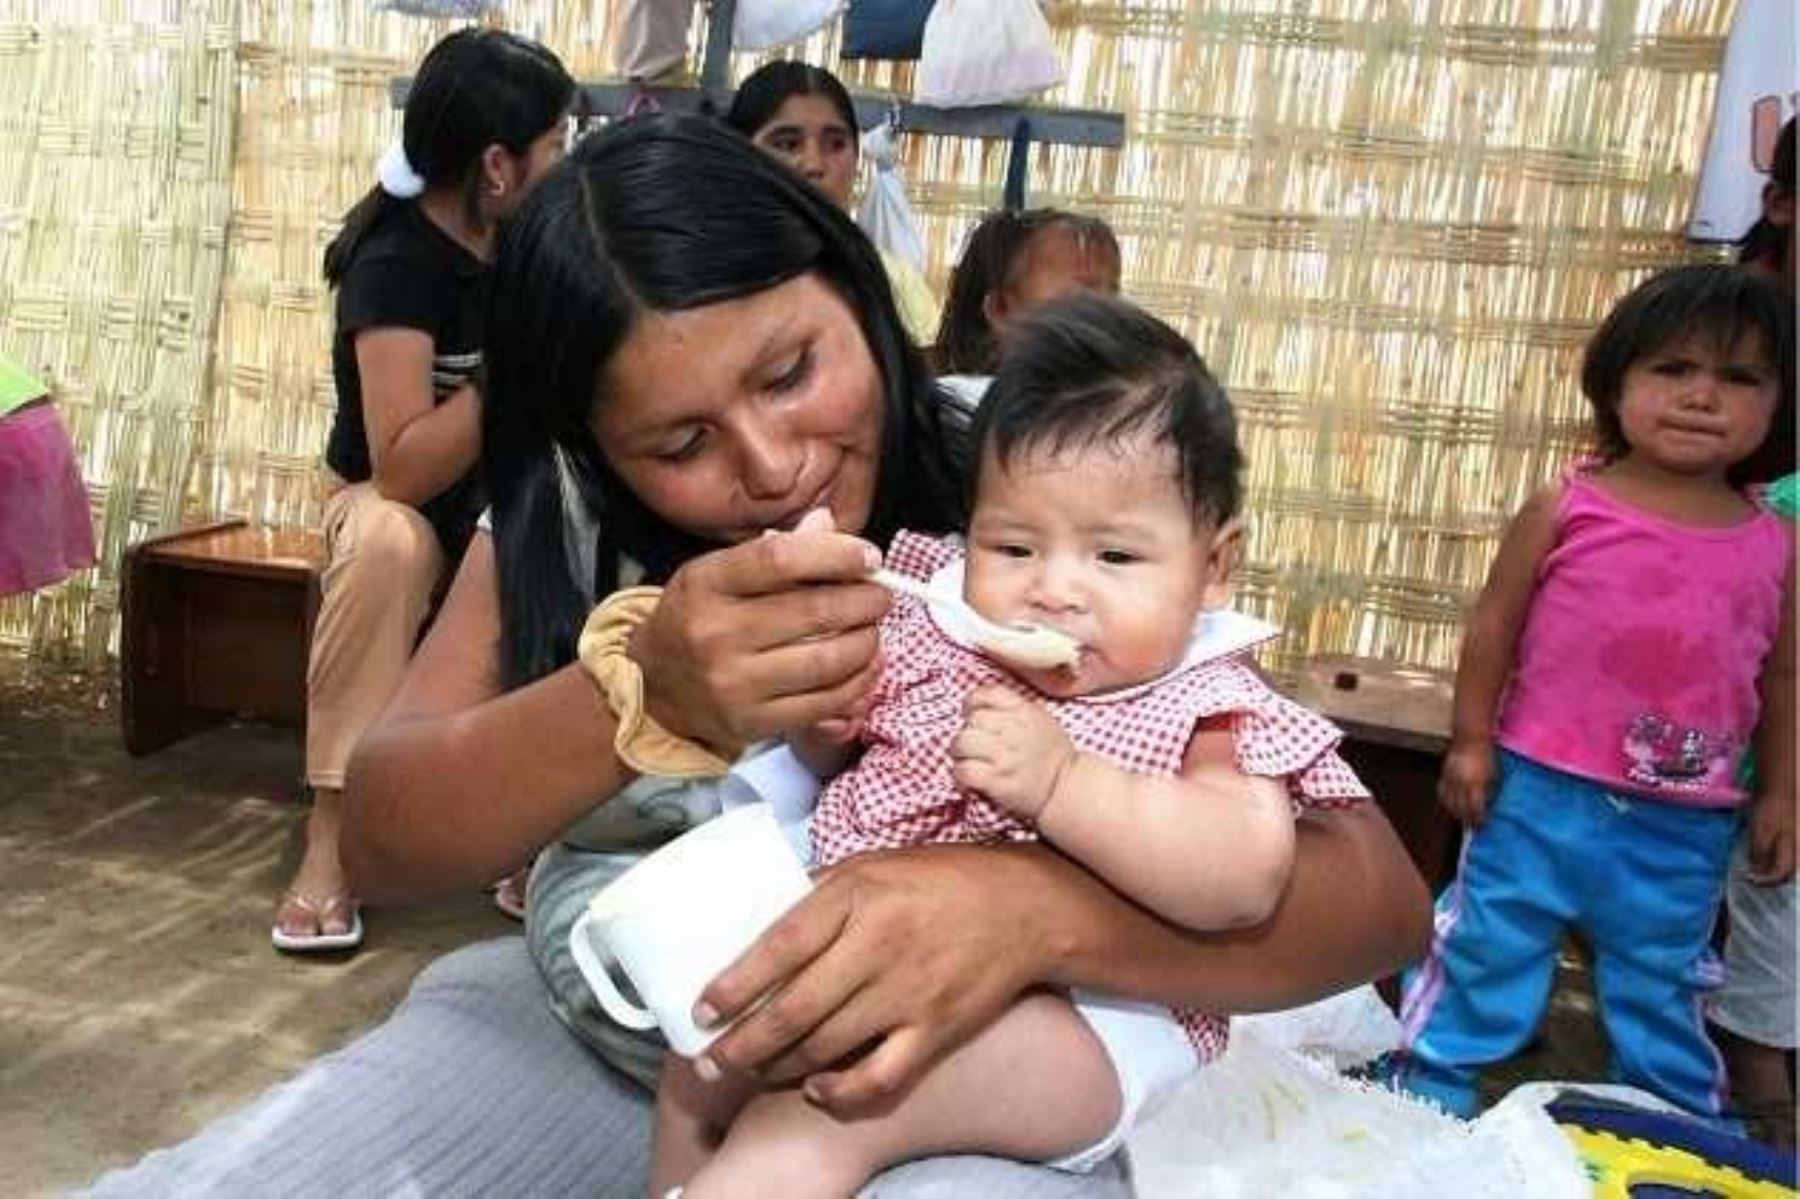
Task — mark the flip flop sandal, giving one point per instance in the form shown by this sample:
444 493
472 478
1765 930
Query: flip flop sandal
320 942
509 894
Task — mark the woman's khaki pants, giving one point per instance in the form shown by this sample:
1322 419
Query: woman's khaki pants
382 565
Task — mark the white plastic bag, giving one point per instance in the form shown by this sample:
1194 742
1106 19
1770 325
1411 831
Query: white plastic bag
1342 1030
760 24
885 214
1261 1121
985 52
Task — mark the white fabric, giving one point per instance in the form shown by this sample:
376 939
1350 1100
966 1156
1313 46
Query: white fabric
652 36
1755 96
1152 1057
760 24
440 8
885 213
985 52
396 174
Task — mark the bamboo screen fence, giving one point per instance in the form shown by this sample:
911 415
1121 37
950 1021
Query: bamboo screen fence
1387 223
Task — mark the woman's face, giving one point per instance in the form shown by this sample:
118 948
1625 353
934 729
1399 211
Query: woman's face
742 416
809 134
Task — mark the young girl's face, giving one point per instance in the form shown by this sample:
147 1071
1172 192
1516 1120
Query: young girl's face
1099 542
1056 261
809 134
1692 408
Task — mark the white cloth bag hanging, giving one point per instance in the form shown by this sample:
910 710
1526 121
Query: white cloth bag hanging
1755 96
985 52
885 214
653 36
760 24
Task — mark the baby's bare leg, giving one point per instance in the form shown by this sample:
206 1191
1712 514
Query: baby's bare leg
691 1119
1037 1085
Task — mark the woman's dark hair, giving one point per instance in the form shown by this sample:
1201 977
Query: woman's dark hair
476 88
762 93
1718 303
661 213
1766 241
965 339
1090 370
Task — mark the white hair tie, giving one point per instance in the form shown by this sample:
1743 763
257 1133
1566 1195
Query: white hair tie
398 179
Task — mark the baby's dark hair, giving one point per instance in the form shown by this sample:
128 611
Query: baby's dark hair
990 258
1092 370
1716 302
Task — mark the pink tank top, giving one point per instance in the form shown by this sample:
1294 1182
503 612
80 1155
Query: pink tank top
1640 657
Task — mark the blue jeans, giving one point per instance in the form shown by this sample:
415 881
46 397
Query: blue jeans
1640 879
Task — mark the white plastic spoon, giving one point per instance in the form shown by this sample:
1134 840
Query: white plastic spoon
1031 646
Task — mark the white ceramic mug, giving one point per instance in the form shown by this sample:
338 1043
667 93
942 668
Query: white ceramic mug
675 920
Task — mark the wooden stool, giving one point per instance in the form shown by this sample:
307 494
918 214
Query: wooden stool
1396 724
217 622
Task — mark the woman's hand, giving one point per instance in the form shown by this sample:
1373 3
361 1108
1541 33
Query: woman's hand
763 638
894 959
1467 780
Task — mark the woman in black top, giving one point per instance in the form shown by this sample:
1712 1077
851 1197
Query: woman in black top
486 116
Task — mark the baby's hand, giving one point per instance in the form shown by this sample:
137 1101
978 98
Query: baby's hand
1771 840
1010 750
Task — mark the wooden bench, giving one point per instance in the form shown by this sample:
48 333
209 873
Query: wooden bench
1396 724
217 623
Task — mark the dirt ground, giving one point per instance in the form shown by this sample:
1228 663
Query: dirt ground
139 997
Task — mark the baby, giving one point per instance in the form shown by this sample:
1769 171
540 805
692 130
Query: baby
1105 507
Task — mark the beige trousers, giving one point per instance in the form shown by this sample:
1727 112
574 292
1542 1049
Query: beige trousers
383 563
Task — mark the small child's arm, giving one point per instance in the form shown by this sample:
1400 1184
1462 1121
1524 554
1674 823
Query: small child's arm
1208 849
1772 816
1489 642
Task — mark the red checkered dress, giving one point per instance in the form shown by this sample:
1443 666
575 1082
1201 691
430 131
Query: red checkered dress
901 792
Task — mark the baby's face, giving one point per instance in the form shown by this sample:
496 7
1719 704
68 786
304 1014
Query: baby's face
1100 543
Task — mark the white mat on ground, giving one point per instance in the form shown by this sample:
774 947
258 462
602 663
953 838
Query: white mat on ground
1267 1119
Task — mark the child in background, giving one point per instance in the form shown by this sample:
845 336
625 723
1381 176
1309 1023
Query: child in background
1636 623
1013 262
46 530
1105 507
1753 1012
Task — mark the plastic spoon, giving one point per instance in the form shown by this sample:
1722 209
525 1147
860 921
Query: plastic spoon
1032 646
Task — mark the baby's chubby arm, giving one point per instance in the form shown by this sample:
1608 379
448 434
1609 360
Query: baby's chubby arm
1211 848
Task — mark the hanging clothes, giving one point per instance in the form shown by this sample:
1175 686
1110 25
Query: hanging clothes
653 37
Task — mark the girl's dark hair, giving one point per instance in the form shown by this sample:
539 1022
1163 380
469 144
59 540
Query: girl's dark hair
476 88
1717 302
661 213
1765 241
1091 370
762 93
965 340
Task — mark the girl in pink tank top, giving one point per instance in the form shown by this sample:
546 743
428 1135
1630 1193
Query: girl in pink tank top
1634 635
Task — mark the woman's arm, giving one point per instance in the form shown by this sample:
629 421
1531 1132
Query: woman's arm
461 781
417 448
916 951
1489 640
